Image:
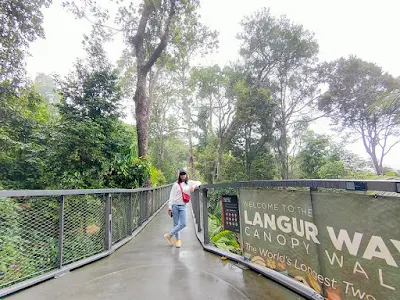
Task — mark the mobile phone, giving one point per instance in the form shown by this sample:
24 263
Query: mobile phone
171 214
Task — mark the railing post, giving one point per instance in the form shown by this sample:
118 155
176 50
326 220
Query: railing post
130 215
159 198
143 207
61 233
108 220
198 211
205 216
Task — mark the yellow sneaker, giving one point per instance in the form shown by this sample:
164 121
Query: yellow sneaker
178 243
171 242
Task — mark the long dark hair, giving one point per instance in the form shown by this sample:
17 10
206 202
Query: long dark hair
180 180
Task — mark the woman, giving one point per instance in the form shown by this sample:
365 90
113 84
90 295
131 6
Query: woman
177 207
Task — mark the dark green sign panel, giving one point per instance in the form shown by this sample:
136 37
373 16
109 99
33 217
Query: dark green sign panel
343 245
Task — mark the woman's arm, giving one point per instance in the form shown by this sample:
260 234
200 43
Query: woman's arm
194 184
171 194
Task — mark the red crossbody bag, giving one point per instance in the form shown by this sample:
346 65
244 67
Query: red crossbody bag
185 197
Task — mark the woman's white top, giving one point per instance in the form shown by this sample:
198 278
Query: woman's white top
175 197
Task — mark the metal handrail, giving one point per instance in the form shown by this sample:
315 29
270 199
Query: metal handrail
149 201
375 185
39 193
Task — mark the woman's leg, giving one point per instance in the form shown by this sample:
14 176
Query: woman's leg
175 217
182 220
182 223
182 217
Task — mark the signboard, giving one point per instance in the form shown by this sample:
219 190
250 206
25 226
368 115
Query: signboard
343 245
230 213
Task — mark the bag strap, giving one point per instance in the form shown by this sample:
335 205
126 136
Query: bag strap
180 188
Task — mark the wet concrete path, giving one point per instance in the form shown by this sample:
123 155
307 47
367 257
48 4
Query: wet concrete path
149 268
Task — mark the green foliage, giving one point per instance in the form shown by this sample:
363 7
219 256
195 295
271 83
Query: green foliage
322 158
10 237
233 168
366 174
281 57
20 23
226 240
174 155
361 100
24 122
89 146
252 128
313 156
223 239
264 167
206 158
157 177
214 225
131 174
84 145
333 170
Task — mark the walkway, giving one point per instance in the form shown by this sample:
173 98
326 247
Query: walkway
148 268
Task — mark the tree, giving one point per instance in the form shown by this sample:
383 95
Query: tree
192 38
143 64
24 121
281 56
163 123
252 128
20 23
212 84
147 31
320 157
84 143
354 87
46 86
314 155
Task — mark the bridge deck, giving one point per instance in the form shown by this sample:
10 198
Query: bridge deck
147 267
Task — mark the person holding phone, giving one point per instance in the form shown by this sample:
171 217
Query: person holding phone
178 200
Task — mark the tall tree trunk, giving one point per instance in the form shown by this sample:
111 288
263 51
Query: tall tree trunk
285 156
161 140
284 141
247 153
210 125
370 147
191 154
188 114
377 166
142 114
142 102
219 160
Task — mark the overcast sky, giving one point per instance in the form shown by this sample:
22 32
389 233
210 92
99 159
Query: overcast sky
368 29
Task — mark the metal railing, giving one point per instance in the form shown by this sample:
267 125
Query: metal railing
45 233
337 204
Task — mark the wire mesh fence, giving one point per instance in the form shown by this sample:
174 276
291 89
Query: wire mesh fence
136 211
28 238
84 227
120 216
47 231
